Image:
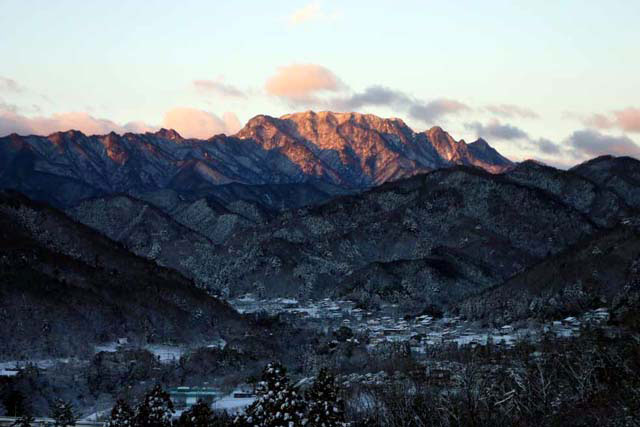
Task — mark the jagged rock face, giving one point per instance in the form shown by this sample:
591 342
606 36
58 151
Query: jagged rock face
360 150
330 153
478 153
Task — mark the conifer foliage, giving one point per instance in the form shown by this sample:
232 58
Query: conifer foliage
155 410
121 415
199 415
62 414
279 404
24 421
324 404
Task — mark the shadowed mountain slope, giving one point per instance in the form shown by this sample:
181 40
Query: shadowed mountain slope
64 287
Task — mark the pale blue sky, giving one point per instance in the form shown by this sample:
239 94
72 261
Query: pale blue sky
135 60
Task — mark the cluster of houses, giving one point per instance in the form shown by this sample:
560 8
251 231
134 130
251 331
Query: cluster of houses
387 326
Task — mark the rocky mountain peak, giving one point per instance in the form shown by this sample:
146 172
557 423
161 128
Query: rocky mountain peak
344 151
481 144
169 134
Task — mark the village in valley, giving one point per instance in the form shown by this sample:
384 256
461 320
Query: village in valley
387 325
379 331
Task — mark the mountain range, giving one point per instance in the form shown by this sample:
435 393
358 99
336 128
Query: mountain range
309 205
315 155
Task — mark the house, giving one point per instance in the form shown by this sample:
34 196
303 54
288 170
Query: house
9 372
185 397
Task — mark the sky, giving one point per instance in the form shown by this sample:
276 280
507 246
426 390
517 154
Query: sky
554 81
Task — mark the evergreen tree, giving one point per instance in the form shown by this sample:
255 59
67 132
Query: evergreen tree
121 415
199 415
325 406
278 405
15 403
155 410
24 421
62 414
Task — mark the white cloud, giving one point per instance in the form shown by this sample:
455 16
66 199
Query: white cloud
510 111
308 13
218 88
10 85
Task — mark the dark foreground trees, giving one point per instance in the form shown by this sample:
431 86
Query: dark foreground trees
121 415
154 410
279 404
324 403
589 380
62 414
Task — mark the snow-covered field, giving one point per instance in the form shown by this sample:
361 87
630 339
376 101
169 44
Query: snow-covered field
233 405
166 353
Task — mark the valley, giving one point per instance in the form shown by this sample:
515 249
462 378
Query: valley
400 261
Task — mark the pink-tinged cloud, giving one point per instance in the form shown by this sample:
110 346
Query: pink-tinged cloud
310 12
139 127
599 121
300 82
511 111
189 122
627 120
194 123
12 122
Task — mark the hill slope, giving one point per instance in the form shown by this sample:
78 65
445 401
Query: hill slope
431 238
64 287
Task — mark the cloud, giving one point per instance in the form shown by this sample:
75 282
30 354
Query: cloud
430 111
627 119
593 143
189 122
308 13
12 122
504 131
194 123
373 96
546 146
299 83
10 85
305 85
138 127
381 96
218 88
511 111
4 106
495 129
599 121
